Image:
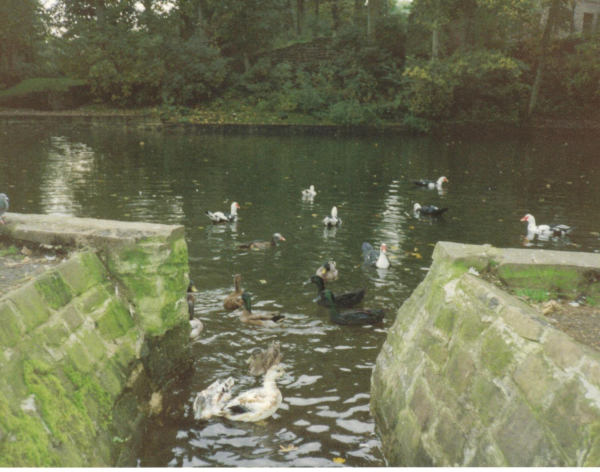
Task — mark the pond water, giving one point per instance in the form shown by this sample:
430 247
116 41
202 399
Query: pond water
174 176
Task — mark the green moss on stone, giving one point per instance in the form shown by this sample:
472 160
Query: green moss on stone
562 279
79 358
487 398
496 354
54 290
65 421
82 272
434 348
30 305
55 333
23 440
86 387
115 322
445 320
10 328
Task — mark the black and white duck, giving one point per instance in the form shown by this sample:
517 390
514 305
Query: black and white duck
352 317
375 258
342 300
429 210
430 183
546 230
332 220
220 217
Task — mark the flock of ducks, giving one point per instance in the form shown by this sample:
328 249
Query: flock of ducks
260 403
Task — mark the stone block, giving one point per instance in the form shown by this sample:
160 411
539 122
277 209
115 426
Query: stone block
82 271
488 399
79 358
496 354
525 322
520 437
460 369
445 320
115 322
535 378
569 417
435 348
93 345
54 333
450 439
406 441
110 380
71 316
11 329
563 351
30 305
94 299
488 455
54 290
423 406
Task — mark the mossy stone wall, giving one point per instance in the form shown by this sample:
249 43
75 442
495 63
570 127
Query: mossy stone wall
85 344
471 376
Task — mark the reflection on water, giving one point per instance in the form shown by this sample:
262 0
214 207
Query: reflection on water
173 178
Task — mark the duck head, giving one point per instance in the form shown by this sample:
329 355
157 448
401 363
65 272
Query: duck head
334 212
275 372
527 218
318 281
254 354
417 207
383 247
234 208
191 288
278 237
328 295
441 180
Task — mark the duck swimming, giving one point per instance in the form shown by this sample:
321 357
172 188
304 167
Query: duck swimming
258 244
430 183
332 220
210 401
546 230
428 210
328 271
234 299
219 217
270 320
375 258
341 300
352 317
309 193
261 361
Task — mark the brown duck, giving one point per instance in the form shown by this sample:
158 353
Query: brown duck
262 360
270 320
234 299
258 244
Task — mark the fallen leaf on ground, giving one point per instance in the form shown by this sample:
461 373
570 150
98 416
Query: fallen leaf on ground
289 448
262 281
339 460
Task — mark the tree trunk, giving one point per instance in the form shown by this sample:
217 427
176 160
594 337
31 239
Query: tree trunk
246 62
435 42
100 13
300 16
572 19
335 14
317 10
292 19
372 18
535 89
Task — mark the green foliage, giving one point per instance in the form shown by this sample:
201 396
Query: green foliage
40 85
475 86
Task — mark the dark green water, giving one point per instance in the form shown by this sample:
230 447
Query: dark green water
173 177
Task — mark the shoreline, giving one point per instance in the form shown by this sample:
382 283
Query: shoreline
150 119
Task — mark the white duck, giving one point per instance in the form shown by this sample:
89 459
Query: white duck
219 217
258 403
210 401
309 192
328 271
197 328
545 230
375 258
332 220
431 183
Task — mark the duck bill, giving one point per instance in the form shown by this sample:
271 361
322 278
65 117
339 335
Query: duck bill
317 299
306 282
249 360
194 289
282 238
524 218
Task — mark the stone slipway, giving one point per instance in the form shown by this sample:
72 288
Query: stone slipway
472 376
84 344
